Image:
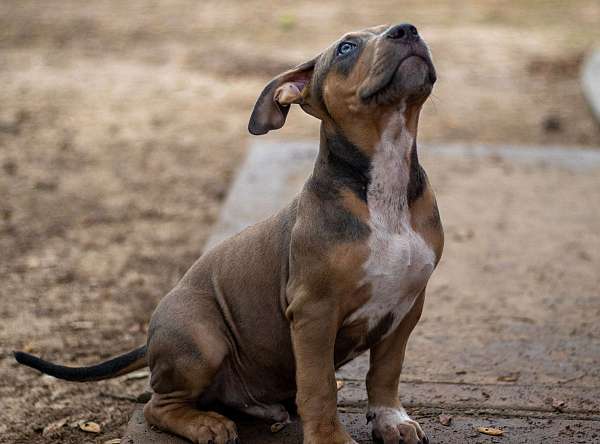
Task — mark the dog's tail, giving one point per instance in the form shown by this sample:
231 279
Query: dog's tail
117 366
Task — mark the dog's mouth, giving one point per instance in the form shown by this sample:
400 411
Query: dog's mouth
425 60
415 65
412 75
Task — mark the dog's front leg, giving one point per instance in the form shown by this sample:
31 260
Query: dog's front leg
313 328
391 423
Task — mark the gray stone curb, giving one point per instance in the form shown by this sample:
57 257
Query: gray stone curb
590 82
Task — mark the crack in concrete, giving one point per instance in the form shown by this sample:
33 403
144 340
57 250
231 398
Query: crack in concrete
468 410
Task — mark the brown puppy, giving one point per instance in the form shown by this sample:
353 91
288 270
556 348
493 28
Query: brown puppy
270 313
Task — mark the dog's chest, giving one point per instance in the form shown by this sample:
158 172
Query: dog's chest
400 262
397 269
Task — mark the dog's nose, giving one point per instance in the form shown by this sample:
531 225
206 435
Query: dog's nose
404 32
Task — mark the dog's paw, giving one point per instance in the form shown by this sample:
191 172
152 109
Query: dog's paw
394 426
213 428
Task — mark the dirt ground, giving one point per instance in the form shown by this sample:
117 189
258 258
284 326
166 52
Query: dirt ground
121 124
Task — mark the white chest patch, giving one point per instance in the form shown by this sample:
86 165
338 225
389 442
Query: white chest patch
400 262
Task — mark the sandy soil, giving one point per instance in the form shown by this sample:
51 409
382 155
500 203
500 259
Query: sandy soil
121 124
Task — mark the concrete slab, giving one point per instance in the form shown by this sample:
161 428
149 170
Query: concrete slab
500 397
501 351
462 429
590 82
269 177
273 173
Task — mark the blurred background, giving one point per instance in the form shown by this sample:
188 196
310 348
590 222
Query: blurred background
123 122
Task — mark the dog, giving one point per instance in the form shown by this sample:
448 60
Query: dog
269 314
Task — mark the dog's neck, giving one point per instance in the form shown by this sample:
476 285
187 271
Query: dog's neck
391 167
387 195
340 163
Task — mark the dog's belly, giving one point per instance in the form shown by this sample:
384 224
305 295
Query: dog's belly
397 270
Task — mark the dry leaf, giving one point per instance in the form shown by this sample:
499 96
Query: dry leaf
82 325
339 384
89 426
141 374
445 419
113 441
509 377
463 235
558 404
490 431
54 427
278 426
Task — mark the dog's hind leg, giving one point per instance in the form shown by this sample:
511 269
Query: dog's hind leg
185 354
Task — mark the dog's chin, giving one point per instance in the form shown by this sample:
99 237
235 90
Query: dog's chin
412 81
415 74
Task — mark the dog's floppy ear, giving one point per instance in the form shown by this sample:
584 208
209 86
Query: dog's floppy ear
274 102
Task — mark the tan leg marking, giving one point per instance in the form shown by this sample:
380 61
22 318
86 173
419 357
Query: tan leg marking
391 423
314 327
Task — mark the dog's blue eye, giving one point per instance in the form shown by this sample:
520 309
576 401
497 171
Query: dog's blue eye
345 48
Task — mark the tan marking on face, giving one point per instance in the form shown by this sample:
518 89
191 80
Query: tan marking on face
365 130
344 105
362 123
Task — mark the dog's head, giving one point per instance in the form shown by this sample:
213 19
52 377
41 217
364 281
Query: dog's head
355 84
